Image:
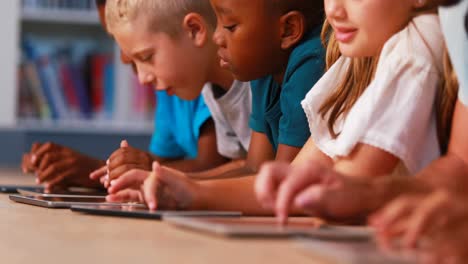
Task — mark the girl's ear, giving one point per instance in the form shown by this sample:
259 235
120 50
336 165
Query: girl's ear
195 28
418 4
293 27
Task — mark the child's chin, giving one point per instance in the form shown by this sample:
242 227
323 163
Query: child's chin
243 77
351 51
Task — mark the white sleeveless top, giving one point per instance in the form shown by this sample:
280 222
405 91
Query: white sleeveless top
396 113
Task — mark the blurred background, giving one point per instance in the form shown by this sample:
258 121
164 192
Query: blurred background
62 81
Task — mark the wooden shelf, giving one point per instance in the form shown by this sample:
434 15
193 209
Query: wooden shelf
86 127
61 16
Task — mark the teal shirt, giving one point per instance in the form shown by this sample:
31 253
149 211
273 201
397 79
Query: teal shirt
276 109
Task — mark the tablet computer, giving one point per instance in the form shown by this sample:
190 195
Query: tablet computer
14 188
354 252
65 202
268 227
137 212
25 192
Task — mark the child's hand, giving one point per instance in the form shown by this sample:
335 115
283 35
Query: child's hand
127 188
132 179
56 165
167 189
28 163
101 176
126 196
448 246
315 189
125 159
411 218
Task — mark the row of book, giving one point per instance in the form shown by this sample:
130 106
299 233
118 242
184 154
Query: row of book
58 85
59 4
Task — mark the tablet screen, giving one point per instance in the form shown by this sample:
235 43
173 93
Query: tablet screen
131 207
70 200
270 222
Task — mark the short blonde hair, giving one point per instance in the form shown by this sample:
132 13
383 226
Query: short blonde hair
163 15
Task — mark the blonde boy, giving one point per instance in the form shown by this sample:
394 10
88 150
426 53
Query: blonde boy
170 44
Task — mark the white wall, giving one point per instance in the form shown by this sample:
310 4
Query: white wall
9 52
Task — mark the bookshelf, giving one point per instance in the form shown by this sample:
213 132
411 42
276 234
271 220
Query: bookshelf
60 16
65 25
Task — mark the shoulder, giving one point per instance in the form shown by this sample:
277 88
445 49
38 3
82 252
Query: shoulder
421 41
239 92
260 87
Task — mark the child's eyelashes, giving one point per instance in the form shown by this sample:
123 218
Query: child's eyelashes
231 28
146 58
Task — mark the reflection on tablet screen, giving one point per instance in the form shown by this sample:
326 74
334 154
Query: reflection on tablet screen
293 223
70 200
131 207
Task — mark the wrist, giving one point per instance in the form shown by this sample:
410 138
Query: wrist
202 196
383 191
388 188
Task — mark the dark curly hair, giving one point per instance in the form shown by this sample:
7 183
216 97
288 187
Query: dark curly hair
100 2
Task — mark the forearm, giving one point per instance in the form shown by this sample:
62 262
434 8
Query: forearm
230 195
449 171
233 169
386 188
188 165
192 165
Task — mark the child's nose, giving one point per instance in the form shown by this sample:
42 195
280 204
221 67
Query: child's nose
334 9
218 37
145 78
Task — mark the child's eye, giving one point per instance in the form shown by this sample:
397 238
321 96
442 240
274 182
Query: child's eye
231 28
147 58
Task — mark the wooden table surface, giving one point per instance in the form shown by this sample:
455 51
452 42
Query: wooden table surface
31 234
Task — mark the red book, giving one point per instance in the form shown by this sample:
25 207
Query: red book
98 64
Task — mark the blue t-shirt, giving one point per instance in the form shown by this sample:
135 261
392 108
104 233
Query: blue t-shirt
177 126
454 22
276 109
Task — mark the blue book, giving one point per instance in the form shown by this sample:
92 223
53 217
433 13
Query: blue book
109 89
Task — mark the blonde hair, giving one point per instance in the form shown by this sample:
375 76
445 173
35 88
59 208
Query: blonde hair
360 74
163 15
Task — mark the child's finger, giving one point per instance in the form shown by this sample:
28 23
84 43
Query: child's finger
291 186
121 170
59 178
133 179
35 146
150 188
39 153
125 196
26 164
391 238
267 181
395 211
118 152
120 157
311 200
99 173
54 170
124 144
430 211
102 180
128 158
48 159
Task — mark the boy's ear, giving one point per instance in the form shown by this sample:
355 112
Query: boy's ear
195 27
293 26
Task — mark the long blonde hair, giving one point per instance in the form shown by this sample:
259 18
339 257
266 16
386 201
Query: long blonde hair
360 74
